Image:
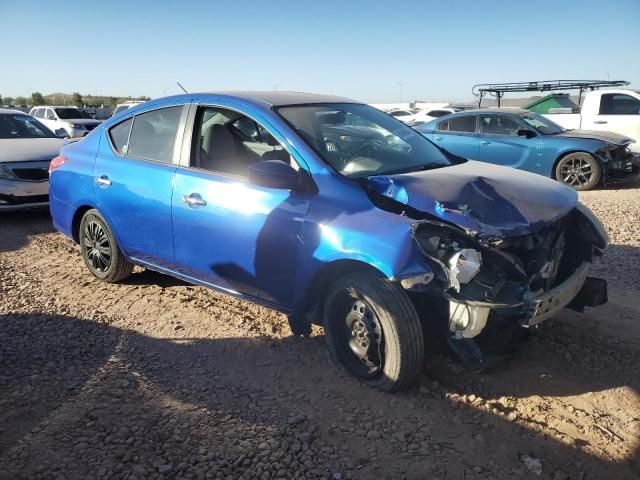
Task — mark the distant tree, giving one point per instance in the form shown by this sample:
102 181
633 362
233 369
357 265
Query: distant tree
8 100
113 101
20 100
37 99
1 100
76 99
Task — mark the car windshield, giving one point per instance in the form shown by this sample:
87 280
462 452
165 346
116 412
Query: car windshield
544 125
22 126
71 113
360 140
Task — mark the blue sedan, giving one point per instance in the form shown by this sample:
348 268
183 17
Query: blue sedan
334 213
528 141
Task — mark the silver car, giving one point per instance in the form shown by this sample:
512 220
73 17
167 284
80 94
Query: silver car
26 149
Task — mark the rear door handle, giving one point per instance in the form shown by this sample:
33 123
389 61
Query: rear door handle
437 138
600 122
485 142
103 181
194 200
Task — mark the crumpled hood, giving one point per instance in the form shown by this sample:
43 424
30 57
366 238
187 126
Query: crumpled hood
609 137
490 200
25 149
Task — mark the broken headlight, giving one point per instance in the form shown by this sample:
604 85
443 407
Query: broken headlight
464 265
451 250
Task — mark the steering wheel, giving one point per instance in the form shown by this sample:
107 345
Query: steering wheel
366 148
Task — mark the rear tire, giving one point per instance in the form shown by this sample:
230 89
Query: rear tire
373 331
100 251
579 170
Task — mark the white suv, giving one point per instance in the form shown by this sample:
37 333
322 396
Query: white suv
76 122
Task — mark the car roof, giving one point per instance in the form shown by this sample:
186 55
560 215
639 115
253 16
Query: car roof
270 99
11 110
514 111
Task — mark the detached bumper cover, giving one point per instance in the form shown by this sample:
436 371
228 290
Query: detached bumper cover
550 303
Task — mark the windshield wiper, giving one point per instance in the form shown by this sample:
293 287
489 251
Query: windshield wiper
416 168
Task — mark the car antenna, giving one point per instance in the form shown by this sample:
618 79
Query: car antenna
183 89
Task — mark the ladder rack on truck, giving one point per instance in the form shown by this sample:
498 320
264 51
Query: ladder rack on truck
497 90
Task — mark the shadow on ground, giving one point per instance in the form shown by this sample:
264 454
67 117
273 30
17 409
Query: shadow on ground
93 392
17 227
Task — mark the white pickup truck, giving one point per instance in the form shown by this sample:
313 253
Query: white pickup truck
612 110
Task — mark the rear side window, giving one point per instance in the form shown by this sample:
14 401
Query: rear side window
459 124
120 136
153 135
619 104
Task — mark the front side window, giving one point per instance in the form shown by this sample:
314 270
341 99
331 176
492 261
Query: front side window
542 124
466 124
359 140
120 136
619 104
499 125
22 126
228 142
50 114
154 133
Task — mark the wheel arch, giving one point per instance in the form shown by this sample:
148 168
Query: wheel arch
310 305
77 218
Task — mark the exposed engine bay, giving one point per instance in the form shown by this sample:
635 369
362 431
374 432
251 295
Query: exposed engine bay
486 289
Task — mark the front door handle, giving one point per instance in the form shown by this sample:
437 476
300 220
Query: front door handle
437 138
194 200
485 142
103 181
600 122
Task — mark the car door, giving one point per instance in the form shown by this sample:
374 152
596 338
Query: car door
229 233
50 119
501 144
133 174
458 135
618 112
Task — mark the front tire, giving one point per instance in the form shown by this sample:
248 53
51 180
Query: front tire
579 170
100 251
373 331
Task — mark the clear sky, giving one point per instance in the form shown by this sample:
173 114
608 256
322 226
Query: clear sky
375 51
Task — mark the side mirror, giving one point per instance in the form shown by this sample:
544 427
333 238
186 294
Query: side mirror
273 174
61 133
525 132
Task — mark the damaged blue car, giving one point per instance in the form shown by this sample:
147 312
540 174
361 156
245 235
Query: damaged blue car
334 213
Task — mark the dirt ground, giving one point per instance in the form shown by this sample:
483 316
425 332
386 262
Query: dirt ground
154 378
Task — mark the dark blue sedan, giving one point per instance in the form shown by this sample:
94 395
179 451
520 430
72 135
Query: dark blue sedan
521 139
334 213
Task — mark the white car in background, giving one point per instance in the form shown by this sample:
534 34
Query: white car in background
400 114
26 150
424 116
75 121
610 110
126 105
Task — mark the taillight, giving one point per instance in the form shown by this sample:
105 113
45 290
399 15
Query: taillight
56 162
